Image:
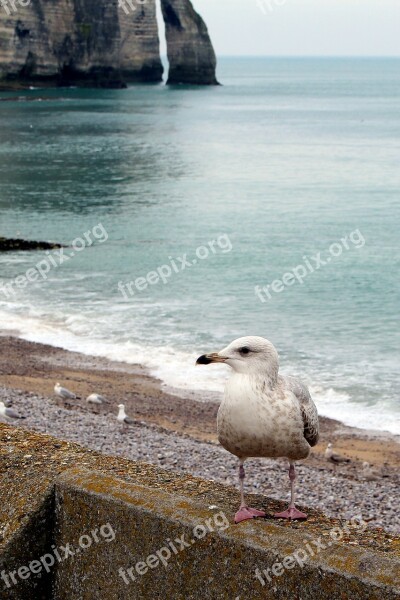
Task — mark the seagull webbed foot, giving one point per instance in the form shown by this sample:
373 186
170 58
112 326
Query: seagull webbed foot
245 513
291 513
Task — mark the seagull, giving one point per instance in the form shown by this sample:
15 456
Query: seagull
63 393
333 458
368 473
8 415
123 418
263 414
95 399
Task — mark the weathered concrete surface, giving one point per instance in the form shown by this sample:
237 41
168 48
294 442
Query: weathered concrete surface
53 492
190 52
30 541
220 565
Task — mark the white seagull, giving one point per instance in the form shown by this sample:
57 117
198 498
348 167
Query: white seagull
95 399
63 393
333 458
122 417
368 473
263 414
8 415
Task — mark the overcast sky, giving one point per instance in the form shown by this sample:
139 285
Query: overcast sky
303 27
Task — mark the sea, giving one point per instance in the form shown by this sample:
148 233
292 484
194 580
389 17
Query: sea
192 216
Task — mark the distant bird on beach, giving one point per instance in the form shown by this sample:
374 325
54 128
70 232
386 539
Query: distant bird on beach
335 459
263 414
8 415
63 393
95 399
123 418
370 474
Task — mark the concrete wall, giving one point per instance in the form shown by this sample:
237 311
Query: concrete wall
98 527
205 564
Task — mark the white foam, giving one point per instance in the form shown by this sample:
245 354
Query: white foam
340 406
174 367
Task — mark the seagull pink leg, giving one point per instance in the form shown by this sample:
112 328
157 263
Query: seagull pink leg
292 512
245 512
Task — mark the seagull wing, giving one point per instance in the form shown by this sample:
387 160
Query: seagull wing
128 421
308 409
95 399
67 394
11 414
336 458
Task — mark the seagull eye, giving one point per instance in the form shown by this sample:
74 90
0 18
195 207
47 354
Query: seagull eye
244 350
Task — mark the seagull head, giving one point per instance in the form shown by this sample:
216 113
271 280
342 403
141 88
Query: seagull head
250 355
121 406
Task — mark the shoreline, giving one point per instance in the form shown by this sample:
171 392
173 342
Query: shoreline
179 433
146 382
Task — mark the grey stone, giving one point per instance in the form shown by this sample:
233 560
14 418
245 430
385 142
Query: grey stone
190 52
96 43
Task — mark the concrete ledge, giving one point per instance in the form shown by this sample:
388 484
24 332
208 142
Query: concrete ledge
78 517
219 565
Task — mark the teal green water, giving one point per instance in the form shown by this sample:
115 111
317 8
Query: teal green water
288 157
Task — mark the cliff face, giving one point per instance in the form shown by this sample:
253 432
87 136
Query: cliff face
100 42
190 52
79 41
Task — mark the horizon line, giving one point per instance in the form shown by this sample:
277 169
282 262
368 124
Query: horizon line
309 56
299 56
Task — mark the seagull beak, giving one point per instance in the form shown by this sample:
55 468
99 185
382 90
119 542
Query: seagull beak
206 359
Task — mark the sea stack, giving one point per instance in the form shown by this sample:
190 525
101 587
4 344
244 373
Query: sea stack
100 43
190 51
